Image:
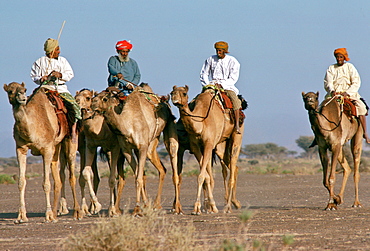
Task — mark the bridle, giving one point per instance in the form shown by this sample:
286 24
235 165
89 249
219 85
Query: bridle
208 111
332 122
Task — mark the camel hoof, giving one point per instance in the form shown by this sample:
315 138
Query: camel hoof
63 210
20 221
337 200
331 207
357 205
96 208
237 204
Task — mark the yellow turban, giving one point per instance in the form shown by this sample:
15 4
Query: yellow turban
342 51
222 45
50 45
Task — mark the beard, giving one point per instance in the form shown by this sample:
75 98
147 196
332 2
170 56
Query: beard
122 59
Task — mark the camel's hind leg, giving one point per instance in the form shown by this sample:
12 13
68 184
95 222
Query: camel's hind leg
154 159
356 145
121 181
346 172
51 162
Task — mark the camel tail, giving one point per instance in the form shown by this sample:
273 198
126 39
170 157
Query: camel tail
103 155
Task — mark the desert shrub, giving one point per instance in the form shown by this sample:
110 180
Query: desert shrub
152 231
6 179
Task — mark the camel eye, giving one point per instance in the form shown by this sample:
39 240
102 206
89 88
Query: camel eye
88 98
105 99
184 94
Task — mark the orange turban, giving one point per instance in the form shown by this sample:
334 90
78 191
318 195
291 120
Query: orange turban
222 45
342 51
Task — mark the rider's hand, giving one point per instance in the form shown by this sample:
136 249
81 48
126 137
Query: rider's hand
43 79
56 74
119 76
218 86
129 86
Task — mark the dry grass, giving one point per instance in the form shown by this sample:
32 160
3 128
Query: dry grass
153 231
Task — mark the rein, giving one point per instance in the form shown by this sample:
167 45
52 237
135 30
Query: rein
209 109
332 122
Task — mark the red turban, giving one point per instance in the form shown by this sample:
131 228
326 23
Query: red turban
342 51
121 45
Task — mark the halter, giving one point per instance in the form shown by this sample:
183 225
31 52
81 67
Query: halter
209 108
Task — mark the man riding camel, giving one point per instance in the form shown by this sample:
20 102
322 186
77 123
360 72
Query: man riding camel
222 70
52 72
343 78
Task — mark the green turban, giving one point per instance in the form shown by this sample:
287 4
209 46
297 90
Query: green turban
50 45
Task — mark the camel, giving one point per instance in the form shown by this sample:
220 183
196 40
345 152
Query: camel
184 144
138 123
208 126
36 128
332 129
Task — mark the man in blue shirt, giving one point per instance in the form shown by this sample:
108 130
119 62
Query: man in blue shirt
124 72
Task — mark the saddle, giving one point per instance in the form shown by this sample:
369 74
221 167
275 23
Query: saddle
349 108
60 110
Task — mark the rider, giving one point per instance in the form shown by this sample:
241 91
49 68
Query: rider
52 72
123 71
222 70
343 78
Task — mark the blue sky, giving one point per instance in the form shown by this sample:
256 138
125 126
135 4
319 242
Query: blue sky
284 48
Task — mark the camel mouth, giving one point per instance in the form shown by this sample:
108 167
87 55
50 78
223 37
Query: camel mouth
22 100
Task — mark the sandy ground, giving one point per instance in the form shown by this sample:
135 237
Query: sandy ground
282 205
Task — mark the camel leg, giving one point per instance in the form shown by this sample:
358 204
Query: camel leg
81 179
172 146
176 179
154 159
346 172
113 158
71 149
139 179
22 160
88 175
63 208
205 177
356 145
334 199
121 181
51 164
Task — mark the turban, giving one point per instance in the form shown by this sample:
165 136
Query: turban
222 45
121 45
342 51
50 45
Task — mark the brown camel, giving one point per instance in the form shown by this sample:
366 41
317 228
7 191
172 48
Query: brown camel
96 133
208 126
138 123
36 128
332 129
184 144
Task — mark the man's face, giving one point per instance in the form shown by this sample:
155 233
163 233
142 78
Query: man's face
220 53
340 59
55 53
124 53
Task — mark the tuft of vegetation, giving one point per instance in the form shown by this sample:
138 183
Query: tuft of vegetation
6 179
152 231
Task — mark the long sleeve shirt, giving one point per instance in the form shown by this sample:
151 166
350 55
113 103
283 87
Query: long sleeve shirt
129 70
343 78
44 66
223 71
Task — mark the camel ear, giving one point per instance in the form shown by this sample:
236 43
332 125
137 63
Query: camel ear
303 93
174 87
317 94
5 88
23 84
77 92
187 88
95 93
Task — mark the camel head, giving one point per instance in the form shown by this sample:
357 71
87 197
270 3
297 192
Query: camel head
84 99
16 93
103 101
179 95
311 100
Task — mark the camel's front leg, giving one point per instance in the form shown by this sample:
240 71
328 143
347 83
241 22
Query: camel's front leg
51 164
113 158
121 181
89 175
334 199
346 172
63 208
140 183
71 149
22 160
